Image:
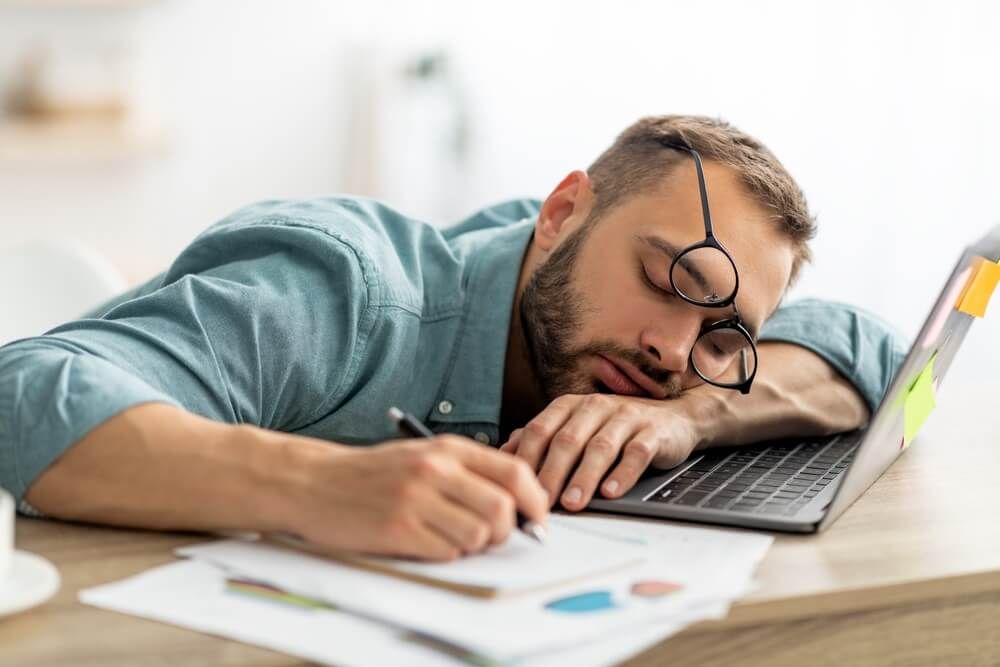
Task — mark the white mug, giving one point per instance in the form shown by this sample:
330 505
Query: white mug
6 533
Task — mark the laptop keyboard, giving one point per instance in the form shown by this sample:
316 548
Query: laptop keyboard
778 479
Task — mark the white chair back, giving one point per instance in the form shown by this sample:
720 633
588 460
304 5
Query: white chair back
44 284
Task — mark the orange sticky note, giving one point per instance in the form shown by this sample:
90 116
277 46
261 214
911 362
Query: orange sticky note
976 296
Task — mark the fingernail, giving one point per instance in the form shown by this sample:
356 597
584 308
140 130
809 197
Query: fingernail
573 495
611 486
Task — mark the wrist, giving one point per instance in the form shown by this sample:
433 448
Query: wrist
281 469
705 410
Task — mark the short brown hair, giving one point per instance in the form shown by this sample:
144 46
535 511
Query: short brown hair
638 162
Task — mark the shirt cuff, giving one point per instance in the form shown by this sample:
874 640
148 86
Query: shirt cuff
861 346
51 398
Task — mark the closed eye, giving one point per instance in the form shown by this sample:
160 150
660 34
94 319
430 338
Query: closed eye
650 284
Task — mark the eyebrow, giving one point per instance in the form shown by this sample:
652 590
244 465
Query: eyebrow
668 249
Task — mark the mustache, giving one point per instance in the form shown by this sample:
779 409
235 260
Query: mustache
668 380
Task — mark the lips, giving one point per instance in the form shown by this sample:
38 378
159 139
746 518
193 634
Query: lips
624 378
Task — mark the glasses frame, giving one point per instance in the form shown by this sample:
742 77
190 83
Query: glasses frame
711 241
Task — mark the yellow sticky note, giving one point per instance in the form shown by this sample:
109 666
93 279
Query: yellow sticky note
919 403
977 294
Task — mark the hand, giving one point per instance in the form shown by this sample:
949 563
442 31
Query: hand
432 499
590 431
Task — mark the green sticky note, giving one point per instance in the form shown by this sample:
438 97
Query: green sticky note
919 402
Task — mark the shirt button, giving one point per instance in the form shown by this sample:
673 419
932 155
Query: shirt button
482 437
444 407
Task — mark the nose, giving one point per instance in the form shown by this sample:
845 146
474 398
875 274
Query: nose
667 341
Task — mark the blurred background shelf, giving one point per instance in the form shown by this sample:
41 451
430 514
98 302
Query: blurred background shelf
75 140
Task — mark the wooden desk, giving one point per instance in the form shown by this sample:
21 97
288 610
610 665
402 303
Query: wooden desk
910 575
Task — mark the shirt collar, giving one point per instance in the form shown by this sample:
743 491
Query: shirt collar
473 390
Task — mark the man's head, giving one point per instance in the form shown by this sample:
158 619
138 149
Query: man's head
597 308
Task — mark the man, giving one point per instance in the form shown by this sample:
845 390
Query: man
582 336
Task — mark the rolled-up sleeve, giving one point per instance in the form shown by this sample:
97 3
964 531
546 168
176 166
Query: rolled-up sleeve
50 396
257 323
861 346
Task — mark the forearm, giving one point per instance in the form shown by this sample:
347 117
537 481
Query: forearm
795 393
157 466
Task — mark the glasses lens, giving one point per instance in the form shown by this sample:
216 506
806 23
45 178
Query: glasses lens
705 276
724 356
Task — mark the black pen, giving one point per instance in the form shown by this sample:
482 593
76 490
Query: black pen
412 427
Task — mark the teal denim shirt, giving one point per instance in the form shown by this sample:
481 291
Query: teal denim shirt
313 317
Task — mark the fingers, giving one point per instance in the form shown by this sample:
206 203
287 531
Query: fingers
424 542
636 457
490 503
600 454
463 529
510 447
564 451
537 433
510 473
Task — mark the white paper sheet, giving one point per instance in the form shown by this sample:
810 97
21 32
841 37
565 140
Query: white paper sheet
692 551
193 594
711 565
521 564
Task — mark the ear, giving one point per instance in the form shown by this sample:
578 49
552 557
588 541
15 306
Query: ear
564 210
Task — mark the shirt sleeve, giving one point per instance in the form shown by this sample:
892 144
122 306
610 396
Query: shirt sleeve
258 323
862 347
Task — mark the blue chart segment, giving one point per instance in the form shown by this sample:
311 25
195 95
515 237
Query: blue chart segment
583 603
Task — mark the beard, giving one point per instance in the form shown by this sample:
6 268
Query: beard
552 312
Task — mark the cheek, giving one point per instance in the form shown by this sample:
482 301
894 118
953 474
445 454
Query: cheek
619 315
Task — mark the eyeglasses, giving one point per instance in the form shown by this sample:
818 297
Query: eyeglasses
704 274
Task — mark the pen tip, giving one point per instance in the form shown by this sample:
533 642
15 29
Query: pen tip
395 414
536 530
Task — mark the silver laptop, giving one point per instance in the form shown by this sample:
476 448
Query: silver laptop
803 485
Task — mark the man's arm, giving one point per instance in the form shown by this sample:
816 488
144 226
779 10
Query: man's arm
163 412
157 466
825 368
796 393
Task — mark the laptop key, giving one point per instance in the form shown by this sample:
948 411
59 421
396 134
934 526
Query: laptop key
691 498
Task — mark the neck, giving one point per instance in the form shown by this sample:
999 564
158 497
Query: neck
523 397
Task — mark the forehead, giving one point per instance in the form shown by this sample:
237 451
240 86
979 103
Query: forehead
742 224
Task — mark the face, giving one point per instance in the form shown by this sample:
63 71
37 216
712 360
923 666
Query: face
599 313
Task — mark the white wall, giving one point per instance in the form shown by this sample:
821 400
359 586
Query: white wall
251 98
887 113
